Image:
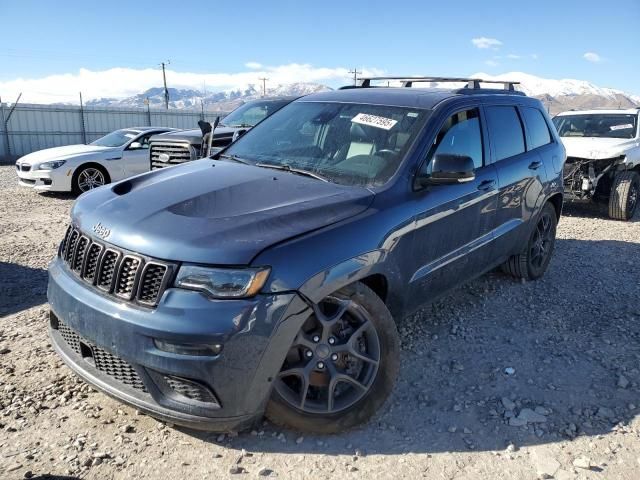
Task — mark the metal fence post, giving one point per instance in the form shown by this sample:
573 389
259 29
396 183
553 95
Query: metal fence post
5 131
82 125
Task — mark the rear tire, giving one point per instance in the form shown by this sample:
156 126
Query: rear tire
625 195
531 263
310 403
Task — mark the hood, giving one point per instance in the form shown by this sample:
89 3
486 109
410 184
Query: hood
596 148
214 212
62 153
194 137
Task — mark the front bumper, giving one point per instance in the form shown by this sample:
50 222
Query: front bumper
113 349
58 180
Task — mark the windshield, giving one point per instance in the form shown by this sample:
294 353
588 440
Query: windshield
115 139
251 113
607 125
344 143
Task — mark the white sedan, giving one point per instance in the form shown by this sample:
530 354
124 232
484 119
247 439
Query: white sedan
79 168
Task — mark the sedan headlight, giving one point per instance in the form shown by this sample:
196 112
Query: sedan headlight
222 282
51 165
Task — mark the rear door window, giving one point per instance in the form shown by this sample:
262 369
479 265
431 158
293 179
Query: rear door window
536 127
505 130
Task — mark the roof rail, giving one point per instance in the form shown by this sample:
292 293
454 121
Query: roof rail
365 82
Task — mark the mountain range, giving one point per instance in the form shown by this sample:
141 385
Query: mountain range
556 95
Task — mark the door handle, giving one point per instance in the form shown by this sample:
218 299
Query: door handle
487 185
535 165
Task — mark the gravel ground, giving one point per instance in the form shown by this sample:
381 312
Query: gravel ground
500 379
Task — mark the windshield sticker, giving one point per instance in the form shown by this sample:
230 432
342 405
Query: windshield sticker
621 127
374 121
129 135
413 114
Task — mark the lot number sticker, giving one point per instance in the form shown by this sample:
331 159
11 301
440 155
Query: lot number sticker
374 121
621 127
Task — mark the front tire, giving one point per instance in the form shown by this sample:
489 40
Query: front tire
625 195
341 367
534 260
88 177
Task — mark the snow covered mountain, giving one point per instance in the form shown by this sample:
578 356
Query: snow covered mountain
557 95
223 101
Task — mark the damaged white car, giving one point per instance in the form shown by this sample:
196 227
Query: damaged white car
603 158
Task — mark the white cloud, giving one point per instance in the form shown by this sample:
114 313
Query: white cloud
534 56
253 65
484 42
124 82
513 56
491 63
592 57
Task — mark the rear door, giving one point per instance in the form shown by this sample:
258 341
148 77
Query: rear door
521 175
454 224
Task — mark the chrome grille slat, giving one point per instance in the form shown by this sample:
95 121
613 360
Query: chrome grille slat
113 271
177 152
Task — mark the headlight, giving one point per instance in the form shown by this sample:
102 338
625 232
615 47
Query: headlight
222 282
51 165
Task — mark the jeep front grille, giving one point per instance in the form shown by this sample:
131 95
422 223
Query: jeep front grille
173 154
114 271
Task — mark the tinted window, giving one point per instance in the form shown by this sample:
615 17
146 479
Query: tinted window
461 135
537 127
506 131
345 143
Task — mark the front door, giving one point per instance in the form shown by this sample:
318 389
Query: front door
454 225
136 156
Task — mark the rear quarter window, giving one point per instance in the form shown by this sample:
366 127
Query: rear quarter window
536 127
505 131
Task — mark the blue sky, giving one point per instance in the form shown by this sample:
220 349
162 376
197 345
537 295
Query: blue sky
548 39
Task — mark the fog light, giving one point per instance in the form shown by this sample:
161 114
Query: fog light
187 348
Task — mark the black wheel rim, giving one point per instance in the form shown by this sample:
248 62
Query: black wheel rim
632 199
333 361
542 241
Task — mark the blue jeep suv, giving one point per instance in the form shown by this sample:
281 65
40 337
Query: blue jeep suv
270 277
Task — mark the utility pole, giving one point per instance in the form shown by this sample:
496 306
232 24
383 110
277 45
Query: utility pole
164 79
264 86
82 125
355 75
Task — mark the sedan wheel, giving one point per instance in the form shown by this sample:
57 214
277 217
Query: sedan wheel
89 178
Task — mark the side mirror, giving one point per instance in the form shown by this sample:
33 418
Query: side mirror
135 146
449 169
237 134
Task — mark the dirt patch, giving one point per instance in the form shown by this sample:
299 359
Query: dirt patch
500 379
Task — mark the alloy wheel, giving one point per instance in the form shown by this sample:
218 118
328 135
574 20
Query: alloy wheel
90 178
542 241
333 361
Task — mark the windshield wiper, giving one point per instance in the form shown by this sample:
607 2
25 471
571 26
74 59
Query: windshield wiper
288 168
240 125
235 158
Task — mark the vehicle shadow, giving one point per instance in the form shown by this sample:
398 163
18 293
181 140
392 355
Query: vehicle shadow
571 338
21 287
